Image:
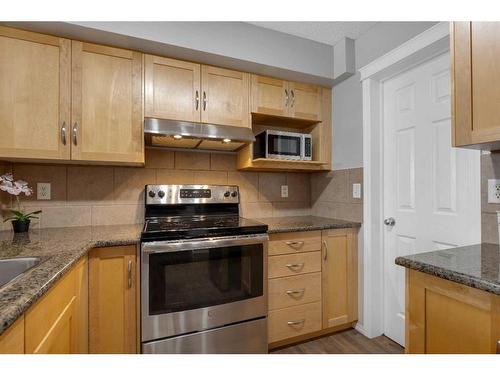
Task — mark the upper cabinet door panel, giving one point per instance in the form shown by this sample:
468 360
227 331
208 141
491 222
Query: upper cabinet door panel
485 54
269 96
107 113
35 93
224 98
172 89
305 101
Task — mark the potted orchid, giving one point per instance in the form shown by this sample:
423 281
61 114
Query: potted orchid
20 220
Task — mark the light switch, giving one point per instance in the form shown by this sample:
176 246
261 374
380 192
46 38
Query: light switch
284 191
493 191
43 191
356 191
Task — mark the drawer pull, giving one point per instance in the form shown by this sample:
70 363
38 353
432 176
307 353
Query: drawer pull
295 266
295 244
293 292
295 322
498 346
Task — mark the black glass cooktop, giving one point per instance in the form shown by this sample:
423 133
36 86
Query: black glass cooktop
171 228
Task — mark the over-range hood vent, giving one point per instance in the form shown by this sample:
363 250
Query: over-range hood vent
192 135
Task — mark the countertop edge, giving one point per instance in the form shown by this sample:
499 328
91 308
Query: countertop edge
10 317
446 274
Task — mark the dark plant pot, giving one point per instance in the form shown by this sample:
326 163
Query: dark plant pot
20 226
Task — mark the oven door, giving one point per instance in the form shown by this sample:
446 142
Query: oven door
193 285
283 145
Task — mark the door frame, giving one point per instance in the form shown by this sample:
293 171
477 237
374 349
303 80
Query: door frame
423 47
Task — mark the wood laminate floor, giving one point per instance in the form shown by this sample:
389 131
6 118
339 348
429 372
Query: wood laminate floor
345 342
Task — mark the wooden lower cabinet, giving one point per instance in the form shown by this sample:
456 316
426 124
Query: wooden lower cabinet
340 277
12 340
113 300
444 317
56 324
312 286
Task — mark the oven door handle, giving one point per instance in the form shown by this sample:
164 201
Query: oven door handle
206 243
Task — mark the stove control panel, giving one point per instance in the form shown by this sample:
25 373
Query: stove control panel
191 194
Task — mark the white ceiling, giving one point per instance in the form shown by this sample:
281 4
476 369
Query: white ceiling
324 32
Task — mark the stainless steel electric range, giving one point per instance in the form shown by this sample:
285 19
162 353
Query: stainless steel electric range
203 272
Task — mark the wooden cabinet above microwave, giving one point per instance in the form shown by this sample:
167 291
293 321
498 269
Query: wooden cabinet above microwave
275 97
185 91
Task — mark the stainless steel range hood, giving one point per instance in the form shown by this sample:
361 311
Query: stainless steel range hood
181 134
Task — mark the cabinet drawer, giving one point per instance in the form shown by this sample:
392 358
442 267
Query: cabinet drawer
294 321
294 264
294 290
290 243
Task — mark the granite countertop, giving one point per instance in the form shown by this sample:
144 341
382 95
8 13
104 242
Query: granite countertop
304 223
59 249
477 266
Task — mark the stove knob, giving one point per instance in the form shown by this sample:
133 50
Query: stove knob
227 194
161 193
234 194
151 193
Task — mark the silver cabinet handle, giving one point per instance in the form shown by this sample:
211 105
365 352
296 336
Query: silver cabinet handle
129 272
197 100
63 133
292 292
325 254
295 322
294 243
390 221
498 346
75 130
204 101
295 266
286 97
293 98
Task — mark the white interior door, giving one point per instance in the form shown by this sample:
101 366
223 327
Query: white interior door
430 189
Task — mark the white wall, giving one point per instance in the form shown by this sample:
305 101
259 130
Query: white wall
347 96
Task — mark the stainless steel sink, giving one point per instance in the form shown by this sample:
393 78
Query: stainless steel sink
13 267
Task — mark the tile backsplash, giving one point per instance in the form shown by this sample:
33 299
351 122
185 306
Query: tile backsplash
97 195
490 169
331 194
103 195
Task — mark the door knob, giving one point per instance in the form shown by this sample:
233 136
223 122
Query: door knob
390 221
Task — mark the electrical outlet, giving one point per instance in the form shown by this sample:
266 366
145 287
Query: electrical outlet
43 191
284 191
356 191
493 191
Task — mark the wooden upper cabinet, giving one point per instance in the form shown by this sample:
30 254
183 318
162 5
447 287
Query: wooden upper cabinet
172 89
269 96
35 95
112 300
340 277
475 50
305 101
225 97
275 97
107 113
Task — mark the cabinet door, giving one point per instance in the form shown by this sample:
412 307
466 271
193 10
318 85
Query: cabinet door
444 317
305 101
35 95
112 300
12 340
224 97
340 277
53 325
107 116
475 48
172 89
269 96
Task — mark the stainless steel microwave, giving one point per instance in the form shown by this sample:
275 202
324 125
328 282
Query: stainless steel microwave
274 144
